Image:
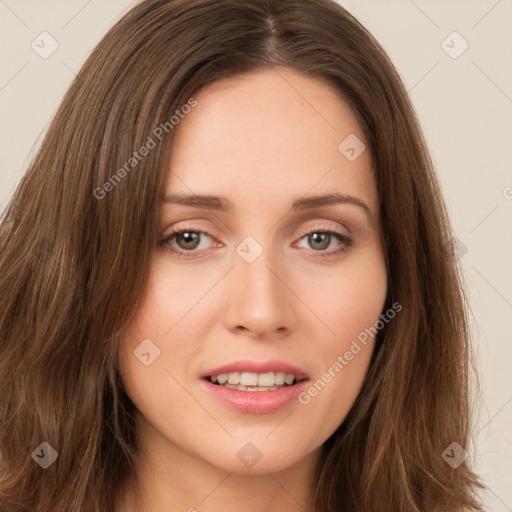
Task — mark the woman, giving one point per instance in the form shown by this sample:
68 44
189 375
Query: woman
172 336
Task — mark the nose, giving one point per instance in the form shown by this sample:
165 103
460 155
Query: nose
260 299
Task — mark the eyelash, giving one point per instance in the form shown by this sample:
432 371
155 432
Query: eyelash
344 239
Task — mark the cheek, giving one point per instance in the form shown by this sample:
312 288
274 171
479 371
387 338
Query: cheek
169 313
349 303
347 298
155 387
168 318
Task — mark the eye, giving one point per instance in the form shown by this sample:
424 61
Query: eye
186 242
320 238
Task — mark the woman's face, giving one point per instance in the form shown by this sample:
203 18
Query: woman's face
266 293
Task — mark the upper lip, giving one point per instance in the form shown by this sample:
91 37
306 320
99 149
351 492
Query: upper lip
257 367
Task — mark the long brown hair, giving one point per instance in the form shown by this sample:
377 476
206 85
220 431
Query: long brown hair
75 255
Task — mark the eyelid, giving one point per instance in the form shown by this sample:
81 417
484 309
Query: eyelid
326 224
303 231
322 227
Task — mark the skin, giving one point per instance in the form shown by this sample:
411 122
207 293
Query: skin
261 140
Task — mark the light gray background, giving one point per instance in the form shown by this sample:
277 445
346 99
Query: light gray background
465 107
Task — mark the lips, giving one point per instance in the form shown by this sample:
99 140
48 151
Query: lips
256 387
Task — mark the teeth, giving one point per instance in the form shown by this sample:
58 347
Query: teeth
237 380
267 379
250 388
250 379
234 378
280 378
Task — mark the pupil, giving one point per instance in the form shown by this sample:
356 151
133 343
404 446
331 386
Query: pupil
323 244
188 237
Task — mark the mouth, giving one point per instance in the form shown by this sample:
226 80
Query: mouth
257 382
252 387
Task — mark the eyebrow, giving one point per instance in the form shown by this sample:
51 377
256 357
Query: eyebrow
222 204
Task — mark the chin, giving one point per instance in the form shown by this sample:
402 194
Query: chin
256 454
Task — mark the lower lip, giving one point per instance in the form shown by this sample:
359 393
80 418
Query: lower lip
255 402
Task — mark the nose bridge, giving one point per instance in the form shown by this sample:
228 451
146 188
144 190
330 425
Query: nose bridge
259 299
255 268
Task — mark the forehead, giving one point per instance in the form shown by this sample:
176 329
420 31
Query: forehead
267 132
